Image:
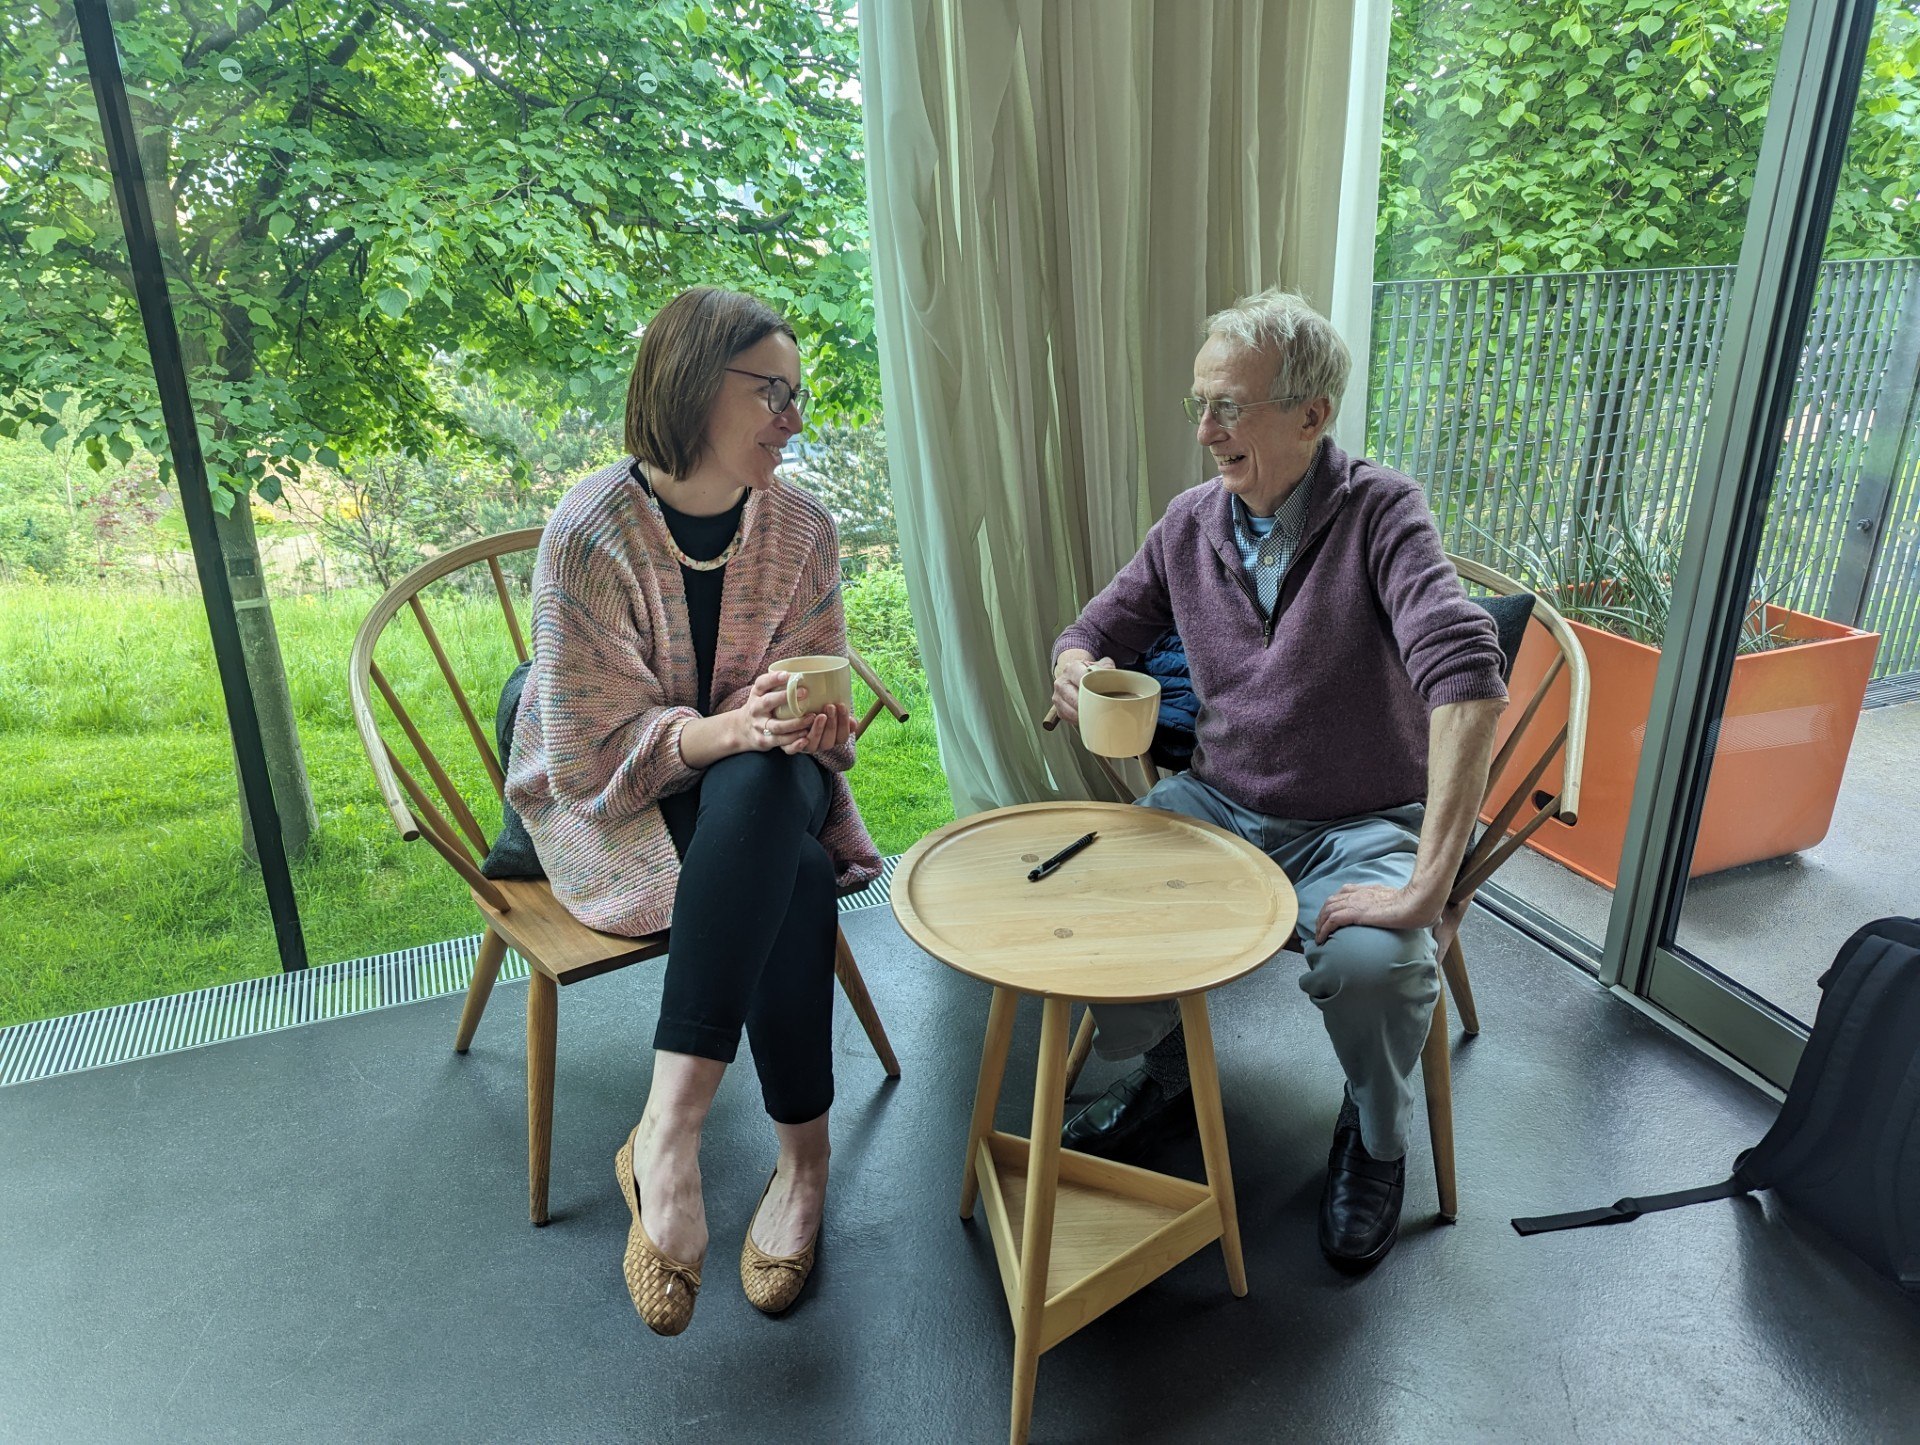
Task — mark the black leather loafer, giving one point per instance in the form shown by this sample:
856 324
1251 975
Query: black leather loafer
1135 1110
1360 1209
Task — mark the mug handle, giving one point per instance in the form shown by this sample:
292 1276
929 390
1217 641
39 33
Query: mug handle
794 679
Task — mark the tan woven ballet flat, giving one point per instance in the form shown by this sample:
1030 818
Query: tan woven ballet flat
663 1289
773 1281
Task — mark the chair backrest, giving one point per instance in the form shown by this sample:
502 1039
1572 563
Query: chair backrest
451 826
454 833
1523 759
1507 830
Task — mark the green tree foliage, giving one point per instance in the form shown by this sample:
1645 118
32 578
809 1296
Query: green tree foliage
1562 135
346 191
880 624
846 468
383 513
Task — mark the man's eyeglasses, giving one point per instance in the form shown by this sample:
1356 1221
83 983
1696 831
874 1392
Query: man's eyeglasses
1226 413
781 393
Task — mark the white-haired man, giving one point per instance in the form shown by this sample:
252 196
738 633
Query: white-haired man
1348 691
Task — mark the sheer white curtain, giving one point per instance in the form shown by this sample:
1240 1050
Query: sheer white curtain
1061 191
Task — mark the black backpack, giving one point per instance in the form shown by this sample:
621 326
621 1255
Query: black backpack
1845 1150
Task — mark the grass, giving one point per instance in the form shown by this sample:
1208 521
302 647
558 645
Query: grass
121 875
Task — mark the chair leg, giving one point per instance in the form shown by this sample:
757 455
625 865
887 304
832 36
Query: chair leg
543 1017
855 988
486 968
1437 1068
1082 1046
1453 963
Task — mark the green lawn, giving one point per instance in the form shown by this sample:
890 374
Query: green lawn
121 875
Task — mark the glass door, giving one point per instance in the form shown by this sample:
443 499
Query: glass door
1770 808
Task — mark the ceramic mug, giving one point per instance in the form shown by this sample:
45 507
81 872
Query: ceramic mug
827 679
1118 710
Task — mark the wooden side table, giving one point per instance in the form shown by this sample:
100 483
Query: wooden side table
1160 906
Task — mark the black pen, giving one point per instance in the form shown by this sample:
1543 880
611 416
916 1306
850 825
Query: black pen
1035 875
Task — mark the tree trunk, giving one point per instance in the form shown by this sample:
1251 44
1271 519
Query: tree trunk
240 552
267 675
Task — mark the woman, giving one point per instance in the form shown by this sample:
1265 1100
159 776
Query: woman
659 782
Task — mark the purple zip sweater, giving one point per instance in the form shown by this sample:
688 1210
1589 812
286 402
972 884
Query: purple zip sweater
1322 711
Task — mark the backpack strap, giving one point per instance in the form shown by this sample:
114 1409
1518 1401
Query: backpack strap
1853 990
1625 1210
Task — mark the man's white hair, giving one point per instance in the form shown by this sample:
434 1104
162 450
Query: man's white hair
1314 361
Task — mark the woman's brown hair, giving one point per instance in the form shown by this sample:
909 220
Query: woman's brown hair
683 358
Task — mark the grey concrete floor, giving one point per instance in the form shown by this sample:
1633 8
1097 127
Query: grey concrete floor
1775 926
321 1234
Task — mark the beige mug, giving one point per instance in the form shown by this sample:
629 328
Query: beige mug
827 679
1118 710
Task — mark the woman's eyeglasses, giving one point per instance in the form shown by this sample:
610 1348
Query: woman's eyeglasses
781 393
1226 413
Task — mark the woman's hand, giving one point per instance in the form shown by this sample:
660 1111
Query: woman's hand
764 729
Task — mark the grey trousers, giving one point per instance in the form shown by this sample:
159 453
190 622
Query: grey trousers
1375 987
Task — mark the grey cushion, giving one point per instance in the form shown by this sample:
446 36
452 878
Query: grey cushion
512 855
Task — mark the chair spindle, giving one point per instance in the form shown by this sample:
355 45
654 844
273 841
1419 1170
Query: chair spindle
474 730
449 794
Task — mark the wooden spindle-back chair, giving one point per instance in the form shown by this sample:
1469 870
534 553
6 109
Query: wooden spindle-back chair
1513 809
518 912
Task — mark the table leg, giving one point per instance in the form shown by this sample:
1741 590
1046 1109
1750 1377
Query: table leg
1036 1229
986 1093
1213 1131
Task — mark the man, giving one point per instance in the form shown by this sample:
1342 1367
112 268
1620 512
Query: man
1348 695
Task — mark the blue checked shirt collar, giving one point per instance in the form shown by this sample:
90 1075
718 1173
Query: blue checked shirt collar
1266 558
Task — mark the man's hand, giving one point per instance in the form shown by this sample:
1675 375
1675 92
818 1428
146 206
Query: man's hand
1459 749
1415 906
1073 664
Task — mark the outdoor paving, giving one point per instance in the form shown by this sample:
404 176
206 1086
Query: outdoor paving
1775 926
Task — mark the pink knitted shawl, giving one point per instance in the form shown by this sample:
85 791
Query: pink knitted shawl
613 683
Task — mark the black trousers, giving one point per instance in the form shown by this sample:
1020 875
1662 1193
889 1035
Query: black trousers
754 924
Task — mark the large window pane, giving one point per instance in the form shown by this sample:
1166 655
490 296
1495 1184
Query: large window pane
121 873
1817 766
411 249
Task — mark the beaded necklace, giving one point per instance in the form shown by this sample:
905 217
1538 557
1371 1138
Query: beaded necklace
711 564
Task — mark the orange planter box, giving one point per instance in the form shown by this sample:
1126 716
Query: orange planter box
1783 746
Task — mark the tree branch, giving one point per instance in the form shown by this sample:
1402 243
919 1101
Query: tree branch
480 67
764 226
228 35
303 271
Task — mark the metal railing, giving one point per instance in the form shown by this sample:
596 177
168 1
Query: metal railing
1521 402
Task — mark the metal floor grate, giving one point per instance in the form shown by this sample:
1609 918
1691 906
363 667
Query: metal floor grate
1905 687
227 1011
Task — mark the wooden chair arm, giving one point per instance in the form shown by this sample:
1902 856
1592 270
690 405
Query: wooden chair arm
883 698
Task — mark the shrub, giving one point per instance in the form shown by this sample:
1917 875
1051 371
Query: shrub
880 624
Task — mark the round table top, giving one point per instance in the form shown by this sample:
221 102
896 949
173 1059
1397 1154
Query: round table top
1157 906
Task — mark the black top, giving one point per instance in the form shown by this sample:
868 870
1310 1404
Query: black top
701 538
